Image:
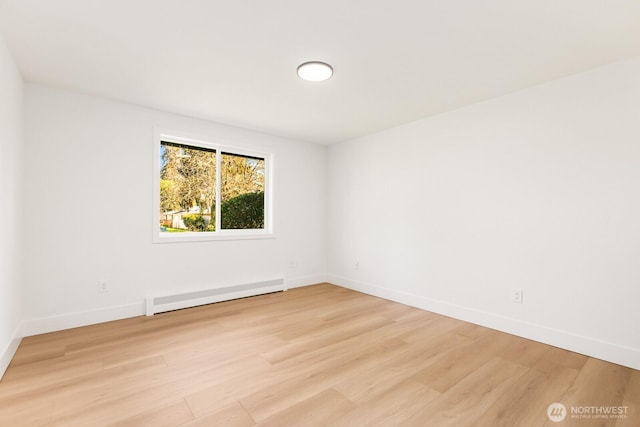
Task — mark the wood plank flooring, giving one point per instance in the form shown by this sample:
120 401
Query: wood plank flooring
314 356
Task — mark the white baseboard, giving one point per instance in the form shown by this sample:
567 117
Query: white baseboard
298 282
61 322
44 325
615 353
9 351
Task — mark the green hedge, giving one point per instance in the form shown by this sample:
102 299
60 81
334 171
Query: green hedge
245 211
194 222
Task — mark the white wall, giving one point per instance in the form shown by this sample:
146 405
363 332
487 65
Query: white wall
537 190
10 212
88 212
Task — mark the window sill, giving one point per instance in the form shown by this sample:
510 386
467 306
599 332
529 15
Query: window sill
208 237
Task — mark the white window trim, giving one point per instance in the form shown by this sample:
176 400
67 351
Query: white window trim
213 143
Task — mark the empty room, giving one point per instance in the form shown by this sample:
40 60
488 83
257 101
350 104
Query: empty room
346 213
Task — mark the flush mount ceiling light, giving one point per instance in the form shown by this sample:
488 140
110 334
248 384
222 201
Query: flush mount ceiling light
315 71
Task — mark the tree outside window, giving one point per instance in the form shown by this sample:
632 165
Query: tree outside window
205 189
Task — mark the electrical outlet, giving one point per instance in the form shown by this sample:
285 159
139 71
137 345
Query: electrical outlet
293 265
356 265
103 287
516 296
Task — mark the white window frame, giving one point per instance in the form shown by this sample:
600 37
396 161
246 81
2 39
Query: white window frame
161 135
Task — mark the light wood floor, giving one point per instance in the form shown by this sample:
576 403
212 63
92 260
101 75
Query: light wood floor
313 356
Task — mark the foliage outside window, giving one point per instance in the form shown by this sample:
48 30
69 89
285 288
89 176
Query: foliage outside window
208 191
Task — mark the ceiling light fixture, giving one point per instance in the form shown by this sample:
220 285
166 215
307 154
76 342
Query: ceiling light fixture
315 71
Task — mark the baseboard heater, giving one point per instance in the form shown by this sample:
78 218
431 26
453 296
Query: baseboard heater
161 304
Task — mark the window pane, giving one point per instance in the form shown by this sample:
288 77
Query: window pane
187 188
242 192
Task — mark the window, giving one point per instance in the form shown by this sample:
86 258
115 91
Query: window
209 191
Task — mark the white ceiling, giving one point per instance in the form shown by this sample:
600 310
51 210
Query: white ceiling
235 61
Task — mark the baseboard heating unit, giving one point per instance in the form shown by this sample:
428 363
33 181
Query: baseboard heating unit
163 303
